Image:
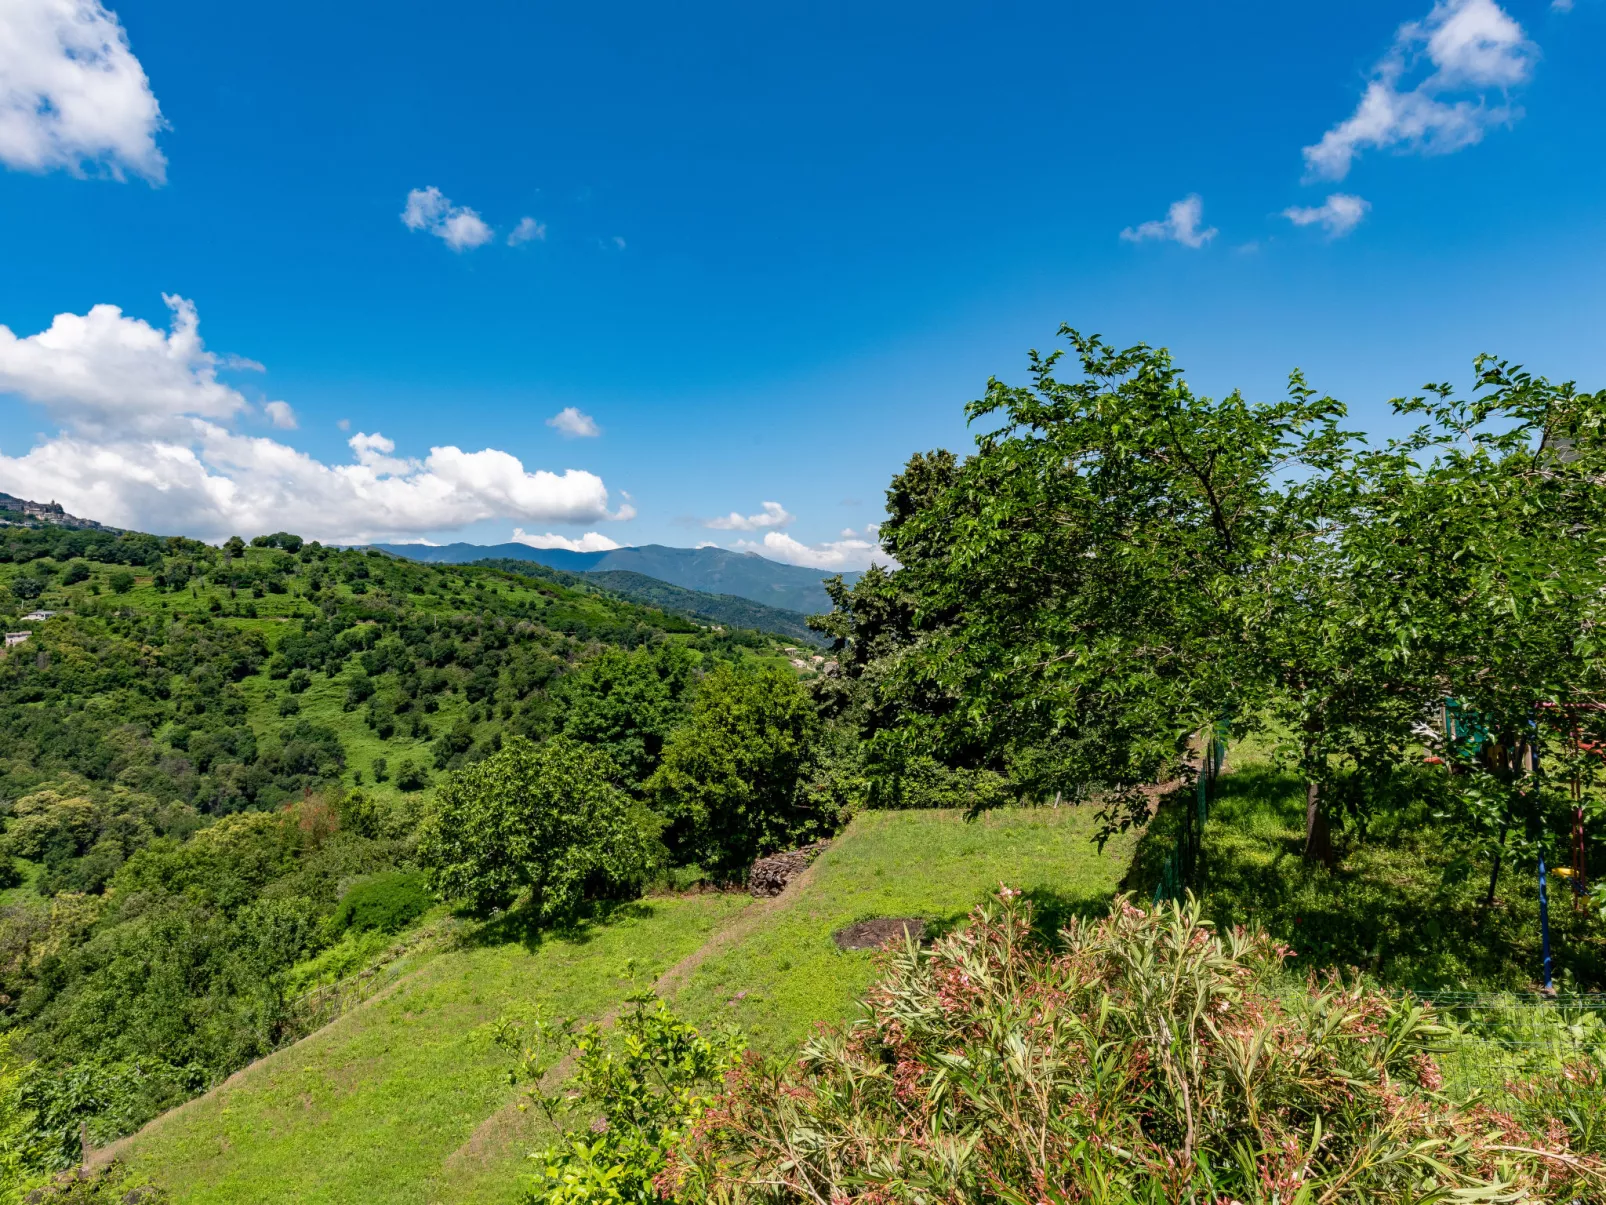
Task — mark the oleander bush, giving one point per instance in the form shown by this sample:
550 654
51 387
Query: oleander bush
1141 1058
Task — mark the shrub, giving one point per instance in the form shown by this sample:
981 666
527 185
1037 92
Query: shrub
27 588
75 571
410 776
121 581
359 690
298 681
647 1083
1148 1061
109 1185
387 902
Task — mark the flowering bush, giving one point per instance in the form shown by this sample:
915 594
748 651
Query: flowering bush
1147 1059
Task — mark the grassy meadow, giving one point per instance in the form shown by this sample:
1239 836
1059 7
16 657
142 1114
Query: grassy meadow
403 1100
786 973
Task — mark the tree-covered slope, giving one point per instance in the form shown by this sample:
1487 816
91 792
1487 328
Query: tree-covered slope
725 610
204 752
710 570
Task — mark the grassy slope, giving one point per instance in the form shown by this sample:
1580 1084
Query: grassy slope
401 1100
372 1108
929 864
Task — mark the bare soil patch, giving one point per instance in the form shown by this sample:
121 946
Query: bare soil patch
873 934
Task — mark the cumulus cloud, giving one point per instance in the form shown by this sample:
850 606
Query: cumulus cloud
1474 49
773 514
1180 225
280 415
527 230
851 552
143 443
459 227
592 541
104 370
72 94
1339 214
572 424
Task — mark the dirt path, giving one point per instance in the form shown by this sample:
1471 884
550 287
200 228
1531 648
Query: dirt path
509 1124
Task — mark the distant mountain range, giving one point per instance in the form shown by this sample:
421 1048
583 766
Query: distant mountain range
708 570
725 610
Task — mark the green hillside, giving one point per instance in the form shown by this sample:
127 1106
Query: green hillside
206 754
402 1100
707 570
727 610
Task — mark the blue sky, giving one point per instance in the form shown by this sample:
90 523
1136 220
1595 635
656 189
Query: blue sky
771 250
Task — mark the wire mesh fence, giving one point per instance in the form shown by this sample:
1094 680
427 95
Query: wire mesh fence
1503 1045
1183 869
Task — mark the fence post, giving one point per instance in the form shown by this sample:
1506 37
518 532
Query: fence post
1544 923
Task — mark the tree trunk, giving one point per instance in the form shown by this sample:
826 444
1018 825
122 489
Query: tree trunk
1318 837
1494 875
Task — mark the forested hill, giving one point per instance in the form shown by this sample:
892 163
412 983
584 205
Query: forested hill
711 570
726 610
203 749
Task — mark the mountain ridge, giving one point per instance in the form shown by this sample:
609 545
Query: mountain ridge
707 570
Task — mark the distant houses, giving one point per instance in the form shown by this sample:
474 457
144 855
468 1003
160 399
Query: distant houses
34 617
15 638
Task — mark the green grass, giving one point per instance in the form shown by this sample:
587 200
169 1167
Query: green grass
402 1100
379 1106
787 973
1403 905
26 891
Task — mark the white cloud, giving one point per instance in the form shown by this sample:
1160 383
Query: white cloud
1339 214
773 515
526 231
459 227
572 424
1561 6
72 94
1473 47
1181 225
105 370
849 553
592 541
619 242
280 415
143 444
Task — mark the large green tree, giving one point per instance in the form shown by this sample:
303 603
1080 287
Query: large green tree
547 818
733 779
1070 599
626 704
1481 561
